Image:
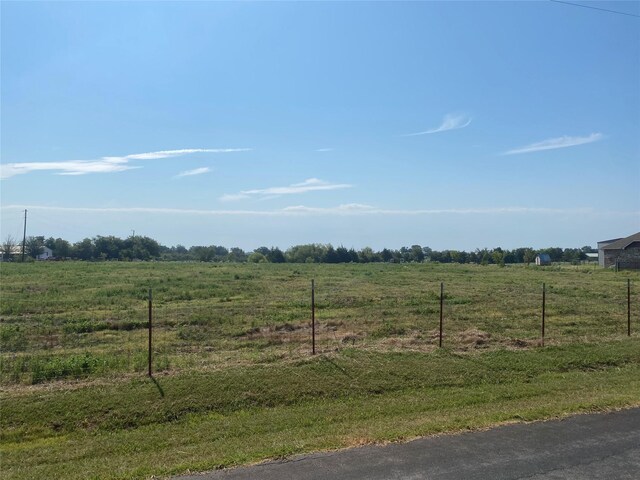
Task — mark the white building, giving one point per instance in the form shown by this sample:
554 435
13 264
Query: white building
46 254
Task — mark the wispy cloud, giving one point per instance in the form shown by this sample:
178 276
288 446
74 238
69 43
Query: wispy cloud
324 150
71 167
360 209
195 171
232 197
104 164
449 122
553 143
309 185
352 209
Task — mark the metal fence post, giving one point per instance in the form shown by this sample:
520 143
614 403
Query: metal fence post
441 312
544 291
150 328
628 307
313 319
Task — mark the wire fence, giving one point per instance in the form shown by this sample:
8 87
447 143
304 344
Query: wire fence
49 338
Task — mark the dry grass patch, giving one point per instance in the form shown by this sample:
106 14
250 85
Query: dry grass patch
473 338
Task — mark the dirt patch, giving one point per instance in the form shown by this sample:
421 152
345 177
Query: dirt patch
521 343
351 338
332 325
434 335
474 338
413 340
287 327
270 330
252 331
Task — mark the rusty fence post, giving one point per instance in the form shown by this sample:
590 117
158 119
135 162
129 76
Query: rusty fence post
544 300
628 307
150 328
313 318
441 312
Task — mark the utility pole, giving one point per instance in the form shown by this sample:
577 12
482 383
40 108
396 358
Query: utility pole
24 235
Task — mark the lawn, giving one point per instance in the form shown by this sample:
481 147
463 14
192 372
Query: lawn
235 381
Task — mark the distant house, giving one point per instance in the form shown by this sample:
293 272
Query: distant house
620 252
601 246
543 259
46 254
14 252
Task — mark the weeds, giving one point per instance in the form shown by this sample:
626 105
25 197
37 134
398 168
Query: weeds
233 313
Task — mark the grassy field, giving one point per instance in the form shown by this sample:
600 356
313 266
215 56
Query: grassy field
235 381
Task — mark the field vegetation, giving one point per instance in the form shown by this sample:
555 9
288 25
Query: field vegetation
234 378
144 248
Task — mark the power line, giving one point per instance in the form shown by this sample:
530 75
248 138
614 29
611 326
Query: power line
596 8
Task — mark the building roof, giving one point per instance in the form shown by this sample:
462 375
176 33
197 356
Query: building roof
608 241
623 242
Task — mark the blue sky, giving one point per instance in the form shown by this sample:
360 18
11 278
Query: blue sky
455 125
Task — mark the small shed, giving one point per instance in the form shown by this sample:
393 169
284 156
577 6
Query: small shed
543 259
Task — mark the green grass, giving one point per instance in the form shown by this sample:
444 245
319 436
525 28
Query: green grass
211 315
138 428
235 381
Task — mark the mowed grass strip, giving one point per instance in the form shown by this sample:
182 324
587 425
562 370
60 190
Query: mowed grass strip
138 428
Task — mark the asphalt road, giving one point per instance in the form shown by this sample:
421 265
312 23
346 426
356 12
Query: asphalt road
601 446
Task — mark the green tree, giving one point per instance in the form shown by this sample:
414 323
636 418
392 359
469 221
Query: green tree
50 242
108 248
457 256
573 255
138 248
309 253
497 255
34 246
330 255
529 255
257 257
61 248
181 249
202 254
83 250
367 255
554 252
236 254
343 255
386 255
484 256
220 254
275 255
417 254
263 250
8 247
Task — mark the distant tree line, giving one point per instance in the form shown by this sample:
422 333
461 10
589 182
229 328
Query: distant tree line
145 248
98 248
